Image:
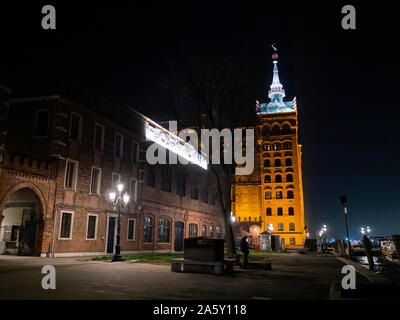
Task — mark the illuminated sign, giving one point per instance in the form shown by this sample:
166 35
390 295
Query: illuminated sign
175 144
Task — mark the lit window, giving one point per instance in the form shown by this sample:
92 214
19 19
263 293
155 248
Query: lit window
291 226
268 195
193 230
211 232
204 230
148 230
292 240
280 226
279 194
218 232
163 230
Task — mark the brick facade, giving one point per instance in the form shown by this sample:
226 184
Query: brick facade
38 162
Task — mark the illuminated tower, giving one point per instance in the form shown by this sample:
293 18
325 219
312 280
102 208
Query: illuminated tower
273 195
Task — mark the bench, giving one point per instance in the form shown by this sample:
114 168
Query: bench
197 266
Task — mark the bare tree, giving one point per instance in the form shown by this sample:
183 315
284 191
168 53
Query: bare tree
221 91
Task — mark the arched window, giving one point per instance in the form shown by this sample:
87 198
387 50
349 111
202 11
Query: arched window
249 219
265 131
287 146
286 129
291 226
204 230
289 178
148 230
279 194
267 147
276 130
163 230
278 178
193 230
290 194
280 212
288 162
268 195
212 231
266 163
267 179
280 226
291 211
277 146
269 212
278 163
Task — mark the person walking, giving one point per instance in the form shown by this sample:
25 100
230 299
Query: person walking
244 247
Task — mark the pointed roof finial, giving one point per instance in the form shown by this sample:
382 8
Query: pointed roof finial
276 86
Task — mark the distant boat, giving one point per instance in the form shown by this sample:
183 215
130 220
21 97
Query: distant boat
388 248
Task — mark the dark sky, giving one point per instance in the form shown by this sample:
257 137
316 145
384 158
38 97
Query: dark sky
346 81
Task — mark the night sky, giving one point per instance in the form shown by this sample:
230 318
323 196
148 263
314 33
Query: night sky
346 81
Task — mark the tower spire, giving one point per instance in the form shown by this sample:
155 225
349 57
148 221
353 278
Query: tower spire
276 87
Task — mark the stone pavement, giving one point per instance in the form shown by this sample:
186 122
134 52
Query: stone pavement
293 276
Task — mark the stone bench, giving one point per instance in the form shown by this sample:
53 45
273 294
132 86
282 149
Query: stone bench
197 266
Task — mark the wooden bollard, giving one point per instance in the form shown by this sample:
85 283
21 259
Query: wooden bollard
368 251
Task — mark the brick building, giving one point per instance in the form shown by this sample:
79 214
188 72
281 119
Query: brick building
60 156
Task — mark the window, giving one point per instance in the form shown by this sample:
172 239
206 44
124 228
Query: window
71 173
42 120
150 176
278 178
268 195
291 211
291 226
165 178
265 131
194 190
266 147
290 194
66 225
91 227
133 190
289 178
266 163
280 212
118 145
204 195
278 162
288 162
75 127
135 152
193 230
218 232
180 184
287 146
99 136
267 179
95 180
115 179
269 212
277 146
163 230
204 230
131 229
279 194
280 226
276 130
148 230
286 129
211 232
292 240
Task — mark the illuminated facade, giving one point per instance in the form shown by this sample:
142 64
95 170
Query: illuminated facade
272 197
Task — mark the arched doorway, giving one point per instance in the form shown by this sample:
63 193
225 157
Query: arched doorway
22 224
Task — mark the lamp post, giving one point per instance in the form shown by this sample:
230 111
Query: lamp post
343 201
233 217
117 199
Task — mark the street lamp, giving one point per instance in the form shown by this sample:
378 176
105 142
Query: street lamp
233 217
118 199
343 201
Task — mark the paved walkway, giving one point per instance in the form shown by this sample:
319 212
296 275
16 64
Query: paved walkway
293 276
